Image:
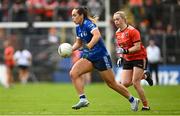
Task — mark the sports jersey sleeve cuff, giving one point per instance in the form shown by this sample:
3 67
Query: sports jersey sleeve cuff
77 37
93 29
136 41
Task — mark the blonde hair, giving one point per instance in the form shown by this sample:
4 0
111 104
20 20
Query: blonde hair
122 14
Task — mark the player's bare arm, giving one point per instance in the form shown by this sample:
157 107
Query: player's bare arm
95 38
135 48
77 44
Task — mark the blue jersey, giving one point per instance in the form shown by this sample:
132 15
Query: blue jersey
84 33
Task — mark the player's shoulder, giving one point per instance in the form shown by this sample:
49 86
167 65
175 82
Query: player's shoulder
77 26
17 53
10 48
129 28
87 21
132 28
118 30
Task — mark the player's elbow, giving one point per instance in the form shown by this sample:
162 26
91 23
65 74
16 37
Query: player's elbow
97 35
138 48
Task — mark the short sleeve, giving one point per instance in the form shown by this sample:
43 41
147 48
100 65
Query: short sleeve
135 36
28 54
91 26
16 55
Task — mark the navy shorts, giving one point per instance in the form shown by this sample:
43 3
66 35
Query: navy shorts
102 64
23 67
128 65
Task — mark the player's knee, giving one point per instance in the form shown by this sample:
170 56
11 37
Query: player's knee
73 75
136 83
126 84
111 84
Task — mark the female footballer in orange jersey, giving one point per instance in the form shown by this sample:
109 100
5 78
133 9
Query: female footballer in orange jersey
9 62
131 49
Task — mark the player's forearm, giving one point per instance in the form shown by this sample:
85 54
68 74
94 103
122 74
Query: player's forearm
134 49
93 41
76 45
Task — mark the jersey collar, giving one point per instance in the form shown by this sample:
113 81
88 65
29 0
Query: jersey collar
124 28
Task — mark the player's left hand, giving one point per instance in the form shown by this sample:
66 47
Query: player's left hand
120 61
122 51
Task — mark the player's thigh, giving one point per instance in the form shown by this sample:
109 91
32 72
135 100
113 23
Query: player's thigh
137 74
126 76
127 73
107 75
138 69
82 66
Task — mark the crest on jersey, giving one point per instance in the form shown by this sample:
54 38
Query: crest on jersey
81 34
84 33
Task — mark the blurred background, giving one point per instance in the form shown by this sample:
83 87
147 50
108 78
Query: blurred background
41 25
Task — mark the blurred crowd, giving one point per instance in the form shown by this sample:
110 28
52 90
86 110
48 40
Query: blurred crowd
44 10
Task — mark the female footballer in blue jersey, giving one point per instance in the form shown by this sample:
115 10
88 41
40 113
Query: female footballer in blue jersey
94 55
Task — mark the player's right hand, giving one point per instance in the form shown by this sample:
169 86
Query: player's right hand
85 51
119 61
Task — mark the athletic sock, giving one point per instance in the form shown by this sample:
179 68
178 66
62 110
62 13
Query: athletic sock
82 96
131 99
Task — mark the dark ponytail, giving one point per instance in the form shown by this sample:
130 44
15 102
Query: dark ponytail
82 10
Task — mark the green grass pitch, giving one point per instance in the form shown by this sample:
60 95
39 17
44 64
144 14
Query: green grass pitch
57 99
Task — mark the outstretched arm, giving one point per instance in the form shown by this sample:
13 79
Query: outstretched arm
77 44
